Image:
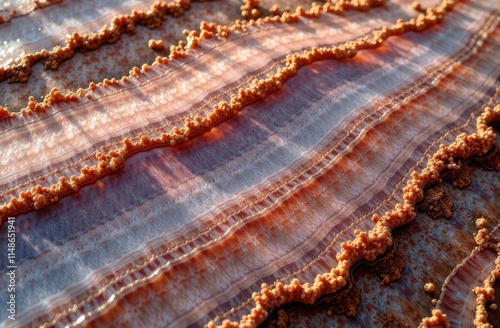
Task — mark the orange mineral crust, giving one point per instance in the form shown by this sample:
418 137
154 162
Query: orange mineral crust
120 24
280 164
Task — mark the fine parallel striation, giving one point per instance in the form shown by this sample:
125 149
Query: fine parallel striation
279 159
458 297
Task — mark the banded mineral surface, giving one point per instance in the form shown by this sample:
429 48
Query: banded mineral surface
228 163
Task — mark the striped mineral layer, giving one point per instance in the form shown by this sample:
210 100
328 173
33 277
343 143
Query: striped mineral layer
175 164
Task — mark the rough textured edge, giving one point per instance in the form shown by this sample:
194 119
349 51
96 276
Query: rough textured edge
414 177
39 197
126 23
368 245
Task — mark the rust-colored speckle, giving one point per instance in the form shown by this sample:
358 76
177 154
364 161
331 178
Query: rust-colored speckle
458 176
389 266
437 203
345 301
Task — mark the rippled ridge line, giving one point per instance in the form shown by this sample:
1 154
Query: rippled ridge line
39 196
369 245
208 26
107 147
423 84
487 116
152 19
492 102
116 160
478 258
355 223
389 218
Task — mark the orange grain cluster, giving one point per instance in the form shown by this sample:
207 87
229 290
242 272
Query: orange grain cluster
4 113
156 44
458 175
44 3
153 18
361 5
274 10
437 320
250 9
429 287
54 97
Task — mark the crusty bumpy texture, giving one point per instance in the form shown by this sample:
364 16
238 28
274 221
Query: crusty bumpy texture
184 163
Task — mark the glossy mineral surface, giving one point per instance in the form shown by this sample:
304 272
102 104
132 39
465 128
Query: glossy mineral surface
325 165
